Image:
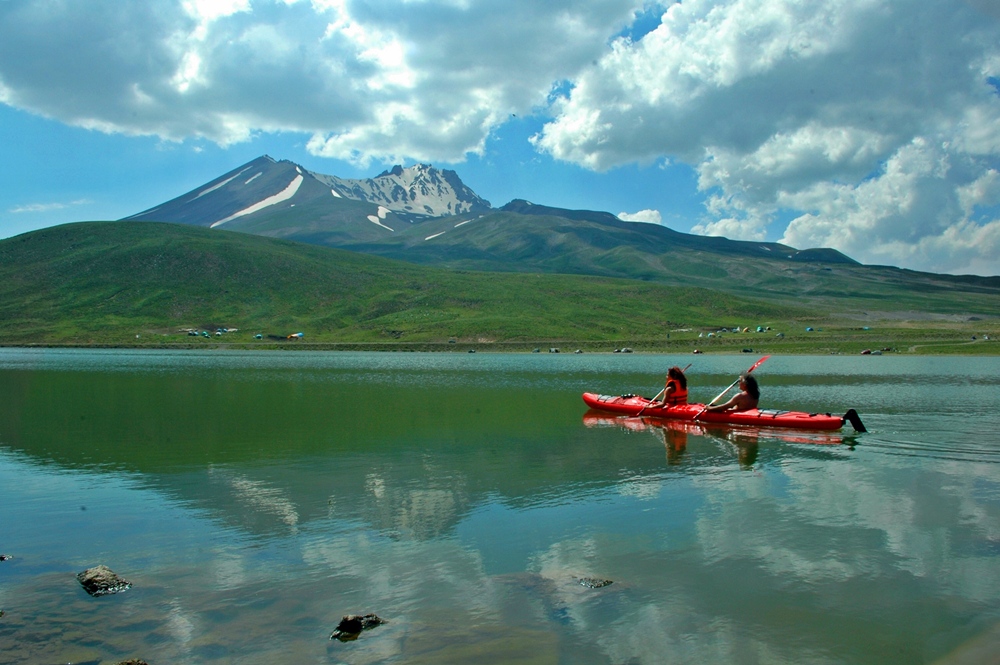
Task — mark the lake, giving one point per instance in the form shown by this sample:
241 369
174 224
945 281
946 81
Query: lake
469 500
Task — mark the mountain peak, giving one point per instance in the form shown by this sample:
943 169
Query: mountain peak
396 170
409 173
265 185
420 190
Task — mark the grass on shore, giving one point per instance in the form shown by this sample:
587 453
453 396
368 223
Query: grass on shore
895 340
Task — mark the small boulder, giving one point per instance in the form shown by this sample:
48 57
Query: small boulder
351 626
101 581
593 582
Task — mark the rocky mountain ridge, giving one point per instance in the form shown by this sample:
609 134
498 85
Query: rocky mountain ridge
420 189
265 186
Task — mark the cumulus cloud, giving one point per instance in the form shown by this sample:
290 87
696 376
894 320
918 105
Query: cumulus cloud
873 124
366 80
648 216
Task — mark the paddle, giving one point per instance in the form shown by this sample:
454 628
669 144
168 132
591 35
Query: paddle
661 392
730 386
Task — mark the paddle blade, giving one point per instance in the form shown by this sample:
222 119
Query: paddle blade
852 417
757 364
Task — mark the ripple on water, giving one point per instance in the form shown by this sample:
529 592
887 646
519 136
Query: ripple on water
944 450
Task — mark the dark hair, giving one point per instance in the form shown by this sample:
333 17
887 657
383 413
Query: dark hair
677 373
752 386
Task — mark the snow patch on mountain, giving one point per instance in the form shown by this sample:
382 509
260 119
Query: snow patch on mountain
221 184
380 215
375 220
283 195
467 221
259 174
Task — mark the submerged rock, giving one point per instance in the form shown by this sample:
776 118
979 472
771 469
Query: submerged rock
593 582
351 626
101 581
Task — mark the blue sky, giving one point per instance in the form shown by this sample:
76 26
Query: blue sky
870 126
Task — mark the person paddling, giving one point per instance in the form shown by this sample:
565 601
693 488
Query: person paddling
676 390
744 400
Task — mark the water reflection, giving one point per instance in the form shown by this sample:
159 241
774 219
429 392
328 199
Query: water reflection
253 510
257 498
745 440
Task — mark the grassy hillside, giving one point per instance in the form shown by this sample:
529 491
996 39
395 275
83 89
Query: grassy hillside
506 241
107 282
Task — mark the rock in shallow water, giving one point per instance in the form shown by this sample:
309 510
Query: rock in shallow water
593 582
351 626
101 581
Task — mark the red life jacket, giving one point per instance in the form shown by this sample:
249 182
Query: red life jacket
679 395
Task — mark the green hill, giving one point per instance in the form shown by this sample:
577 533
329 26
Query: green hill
107 282
598 244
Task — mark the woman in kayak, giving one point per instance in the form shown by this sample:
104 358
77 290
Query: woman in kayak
745 400
676 390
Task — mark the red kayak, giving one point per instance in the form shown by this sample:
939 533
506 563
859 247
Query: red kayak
634 405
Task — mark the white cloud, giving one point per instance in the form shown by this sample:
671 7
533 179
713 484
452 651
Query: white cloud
647 216
873 123
984 191
47 207
917 211
210 10
745 228
369 81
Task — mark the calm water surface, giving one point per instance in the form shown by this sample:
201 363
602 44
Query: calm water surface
253 499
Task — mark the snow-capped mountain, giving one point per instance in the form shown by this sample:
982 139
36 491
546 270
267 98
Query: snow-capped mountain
425 215
420 189
259 197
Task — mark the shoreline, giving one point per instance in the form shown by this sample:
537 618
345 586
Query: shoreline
899 347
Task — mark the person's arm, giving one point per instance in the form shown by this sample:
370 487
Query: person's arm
661 399
668 391
740 402
724 407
